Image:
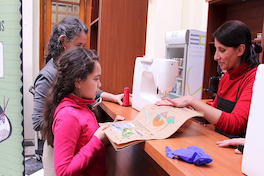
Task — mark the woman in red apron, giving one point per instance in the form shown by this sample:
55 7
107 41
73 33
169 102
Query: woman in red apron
237 59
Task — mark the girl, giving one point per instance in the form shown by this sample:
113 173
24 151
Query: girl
68 33
69 124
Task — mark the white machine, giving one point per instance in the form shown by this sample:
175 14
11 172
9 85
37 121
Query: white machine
253 151
153 77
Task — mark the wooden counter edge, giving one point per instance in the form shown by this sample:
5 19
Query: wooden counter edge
114 109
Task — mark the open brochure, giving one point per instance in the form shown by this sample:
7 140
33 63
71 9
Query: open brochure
152 122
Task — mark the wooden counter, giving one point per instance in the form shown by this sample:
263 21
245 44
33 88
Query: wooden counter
225 161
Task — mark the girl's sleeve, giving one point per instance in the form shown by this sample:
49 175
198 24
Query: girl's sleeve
66 130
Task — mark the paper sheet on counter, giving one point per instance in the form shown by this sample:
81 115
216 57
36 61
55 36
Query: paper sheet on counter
152 122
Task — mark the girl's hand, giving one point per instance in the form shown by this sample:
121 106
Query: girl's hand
232 142
99 133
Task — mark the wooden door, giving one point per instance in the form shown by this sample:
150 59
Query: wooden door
121 38
53 11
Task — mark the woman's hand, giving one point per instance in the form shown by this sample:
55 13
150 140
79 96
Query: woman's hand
119 118
163 103
115 98
177 102
118 98
99 133
232 142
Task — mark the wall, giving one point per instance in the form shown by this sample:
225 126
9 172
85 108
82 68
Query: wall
172 15
11 108
31 16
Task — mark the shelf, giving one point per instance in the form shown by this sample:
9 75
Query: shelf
253 41
256 41
221 11
95 9
95 22
118 34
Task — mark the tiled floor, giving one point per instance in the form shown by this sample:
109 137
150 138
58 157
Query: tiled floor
30 153
38 173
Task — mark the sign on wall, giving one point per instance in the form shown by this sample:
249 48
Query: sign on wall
11 89
1 60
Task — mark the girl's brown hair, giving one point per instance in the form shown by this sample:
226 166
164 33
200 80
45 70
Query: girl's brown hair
76 63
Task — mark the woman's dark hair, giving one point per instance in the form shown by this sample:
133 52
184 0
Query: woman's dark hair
76 63
70 27
232 34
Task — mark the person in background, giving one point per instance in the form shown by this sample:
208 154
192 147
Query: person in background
235 55
69 125
68 33
238 142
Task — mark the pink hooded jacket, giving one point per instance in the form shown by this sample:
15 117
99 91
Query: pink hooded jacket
76 150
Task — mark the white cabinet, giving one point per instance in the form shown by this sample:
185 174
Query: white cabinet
188 48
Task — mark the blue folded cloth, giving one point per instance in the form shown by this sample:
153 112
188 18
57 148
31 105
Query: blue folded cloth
191 154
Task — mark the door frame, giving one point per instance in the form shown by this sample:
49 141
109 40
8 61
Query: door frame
45 13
